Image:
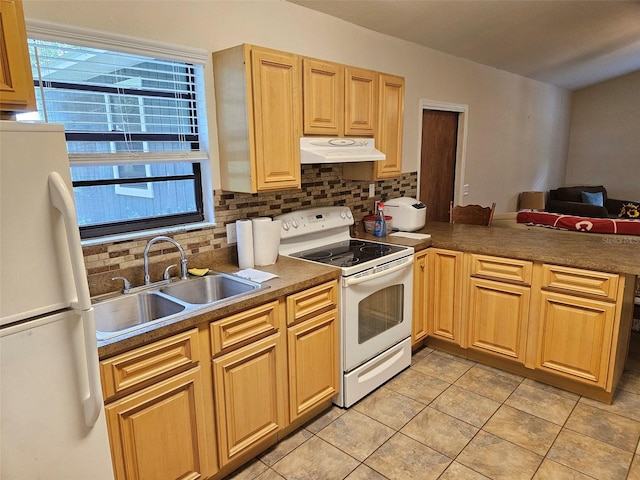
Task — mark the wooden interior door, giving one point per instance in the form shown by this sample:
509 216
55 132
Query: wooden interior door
438 162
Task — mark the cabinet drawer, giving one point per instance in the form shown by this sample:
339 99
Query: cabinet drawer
585 282
147 363
501 268
244 327
310 302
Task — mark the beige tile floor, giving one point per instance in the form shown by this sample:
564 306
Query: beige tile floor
449 418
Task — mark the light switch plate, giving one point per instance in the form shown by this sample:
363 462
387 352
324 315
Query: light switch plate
372 190
231 234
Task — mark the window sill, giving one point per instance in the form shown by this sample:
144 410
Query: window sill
146 233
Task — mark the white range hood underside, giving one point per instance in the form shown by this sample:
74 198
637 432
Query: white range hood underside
338 150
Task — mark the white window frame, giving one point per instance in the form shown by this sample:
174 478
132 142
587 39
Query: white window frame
78 36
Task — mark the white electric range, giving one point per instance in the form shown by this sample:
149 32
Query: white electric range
375 295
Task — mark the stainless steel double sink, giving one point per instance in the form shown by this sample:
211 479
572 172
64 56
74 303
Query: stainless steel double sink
154 304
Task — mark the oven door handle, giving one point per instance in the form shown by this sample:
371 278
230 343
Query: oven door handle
355 280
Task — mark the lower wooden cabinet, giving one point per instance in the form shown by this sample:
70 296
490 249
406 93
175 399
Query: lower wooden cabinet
420 296
247 397
157 433
155 411
498 318
312 343
444 312
575 337
200 403
313 363
566 326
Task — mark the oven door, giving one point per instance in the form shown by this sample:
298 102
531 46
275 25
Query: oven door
376 311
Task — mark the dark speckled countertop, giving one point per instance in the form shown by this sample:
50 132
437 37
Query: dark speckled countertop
293 276
607 253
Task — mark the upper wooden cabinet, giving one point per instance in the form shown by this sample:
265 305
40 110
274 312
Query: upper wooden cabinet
361 101
339 100
267 99
323 97
16 83
259 118
389 127
388 133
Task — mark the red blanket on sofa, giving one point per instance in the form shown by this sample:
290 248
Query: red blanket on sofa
580 224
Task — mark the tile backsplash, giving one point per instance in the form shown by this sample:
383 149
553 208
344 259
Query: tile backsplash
321 185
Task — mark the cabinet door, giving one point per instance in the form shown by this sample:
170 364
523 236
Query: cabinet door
158 432
247 398
361 99
390 123
420 297
313 363
16 82
498 318
323 97
277 118
575 337
445 300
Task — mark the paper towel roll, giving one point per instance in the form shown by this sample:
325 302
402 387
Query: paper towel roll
244 233
266 240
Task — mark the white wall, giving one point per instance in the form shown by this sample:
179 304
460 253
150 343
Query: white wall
604 146
517 131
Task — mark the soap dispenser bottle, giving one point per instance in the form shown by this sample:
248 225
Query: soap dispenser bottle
380 226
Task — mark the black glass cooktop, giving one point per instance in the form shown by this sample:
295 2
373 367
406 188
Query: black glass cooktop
348 253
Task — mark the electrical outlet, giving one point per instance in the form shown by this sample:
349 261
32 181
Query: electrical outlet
231 234
372 190
466 189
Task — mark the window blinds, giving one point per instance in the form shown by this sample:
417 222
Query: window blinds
116 103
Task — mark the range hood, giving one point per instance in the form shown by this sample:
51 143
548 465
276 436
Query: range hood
338 150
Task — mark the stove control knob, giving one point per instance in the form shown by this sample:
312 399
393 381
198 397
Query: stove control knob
285 225
343 214
348 213
295 223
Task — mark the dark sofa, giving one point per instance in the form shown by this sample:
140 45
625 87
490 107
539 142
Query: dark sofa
568 201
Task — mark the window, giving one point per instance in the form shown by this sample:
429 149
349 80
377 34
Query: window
132 131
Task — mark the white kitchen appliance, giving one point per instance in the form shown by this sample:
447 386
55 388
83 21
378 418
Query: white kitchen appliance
52 420
375 295
409 214
338 150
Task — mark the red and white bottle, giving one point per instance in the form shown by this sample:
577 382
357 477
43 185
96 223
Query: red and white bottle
380 225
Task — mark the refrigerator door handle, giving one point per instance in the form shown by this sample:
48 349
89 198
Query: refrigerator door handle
63 201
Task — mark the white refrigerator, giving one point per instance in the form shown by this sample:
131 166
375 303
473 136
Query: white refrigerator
52 422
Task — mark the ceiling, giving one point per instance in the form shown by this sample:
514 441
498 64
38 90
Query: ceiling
568 43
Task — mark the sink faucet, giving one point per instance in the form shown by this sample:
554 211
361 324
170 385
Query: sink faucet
162 238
